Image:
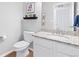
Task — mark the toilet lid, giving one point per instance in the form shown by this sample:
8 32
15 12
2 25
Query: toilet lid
21 44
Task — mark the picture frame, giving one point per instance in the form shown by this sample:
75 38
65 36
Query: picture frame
30 7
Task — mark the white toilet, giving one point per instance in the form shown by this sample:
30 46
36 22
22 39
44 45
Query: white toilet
21 47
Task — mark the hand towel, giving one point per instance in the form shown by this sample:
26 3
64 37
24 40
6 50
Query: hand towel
76 21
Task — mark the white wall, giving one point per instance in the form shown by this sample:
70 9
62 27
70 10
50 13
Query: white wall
10 23
33 25
47 11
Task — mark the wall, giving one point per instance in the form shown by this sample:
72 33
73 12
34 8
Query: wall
11 14
33 25
47 12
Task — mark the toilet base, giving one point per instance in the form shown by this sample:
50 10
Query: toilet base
22 53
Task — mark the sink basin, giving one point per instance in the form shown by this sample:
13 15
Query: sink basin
60 35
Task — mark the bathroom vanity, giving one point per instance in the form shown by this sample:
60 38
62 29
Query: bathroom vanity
54 45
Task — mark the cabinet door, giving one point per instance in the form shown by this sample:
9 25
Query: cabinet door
43 47
41 51
59 54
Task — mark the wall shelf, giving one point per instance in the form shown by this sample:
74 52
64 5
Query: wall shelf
31 18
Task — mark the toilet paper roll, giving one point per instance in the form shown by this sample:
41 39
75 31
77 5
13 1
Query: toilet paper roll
3 36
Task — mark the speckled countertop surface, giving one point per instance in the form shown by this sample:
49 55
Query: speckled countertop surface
67 37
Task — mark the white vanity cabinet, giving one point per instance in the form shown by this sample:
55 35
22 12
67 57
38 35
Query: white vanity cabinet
67 49
44 47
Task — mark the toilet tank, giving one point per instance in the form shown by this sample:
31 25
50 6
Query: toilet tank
28 36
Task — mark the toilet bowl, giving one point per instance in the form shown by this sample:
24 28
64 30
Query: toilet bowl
21 47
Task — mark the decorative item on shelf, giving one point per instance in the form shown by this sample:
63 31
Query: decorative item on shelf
30 16
34 15
25 15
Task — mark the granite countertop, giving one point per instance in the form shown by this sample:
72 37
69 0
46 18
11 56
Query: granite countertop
67 38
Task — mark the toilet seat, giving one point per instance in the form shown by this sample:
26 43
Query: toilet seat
22 48
21 44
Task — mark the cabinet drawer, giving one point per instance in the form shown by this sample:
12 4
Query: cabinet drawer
44 42
67 49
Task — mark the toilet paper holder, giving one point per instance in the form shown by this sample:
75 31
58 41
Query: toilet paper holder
3 36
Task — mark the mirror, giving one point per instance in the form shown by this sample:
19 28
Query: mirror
58 16
64 16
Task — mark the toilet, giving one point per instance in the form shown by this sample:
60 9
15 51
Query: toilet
21 47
